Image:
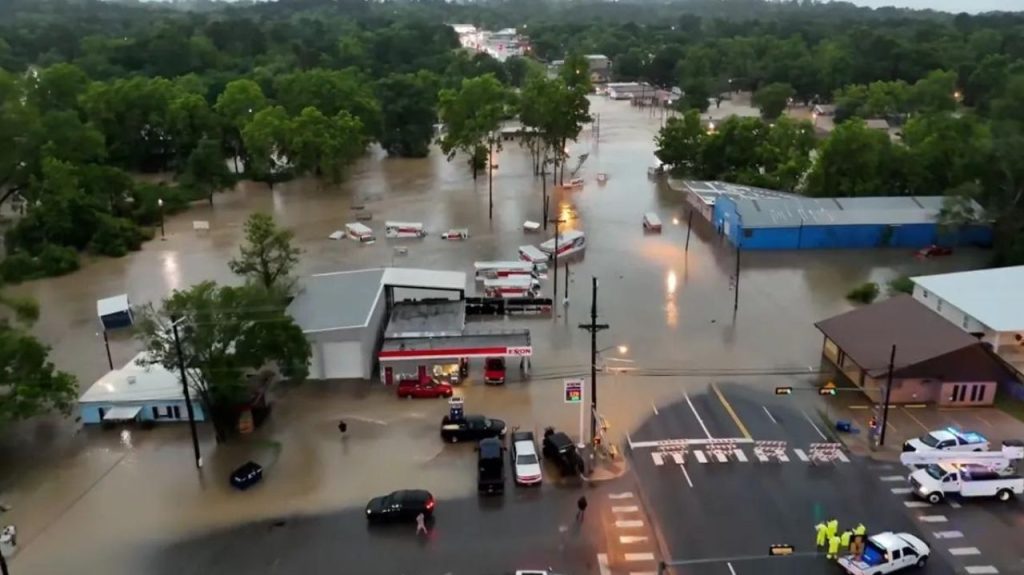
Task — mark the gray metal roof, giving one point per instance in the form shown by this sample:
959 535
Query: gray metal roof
435 319
796 211
709 191
336 300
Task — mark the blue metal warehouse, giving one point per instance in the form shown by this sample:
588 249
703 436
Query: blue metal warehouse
831 223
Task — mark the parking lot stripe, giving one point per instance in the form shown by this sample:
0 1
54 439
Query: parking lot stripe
629 523
735 418
731 570
901 490
948 535
801 455
981 570
701 458
916 504
625 509
740 456
602 564
627 539
933 518
623 495
808 418
916 420
697 415
677 456
964 551
639 556
686 474
892 478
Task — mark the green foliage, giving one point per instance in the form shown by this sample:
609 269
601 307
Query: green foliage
857 161
696 94
227 333
267 257
31 385
471 114
205 169
773 99
50 260
680 143
325 146
409 112
576 72
865 293
901 285
115 236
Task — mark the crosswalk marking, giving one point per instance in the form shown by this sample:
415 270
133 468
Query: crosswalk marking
842 456
625 509
801 455
964 551
740 456
948 535
916 504
701 458
781 456
955 505
981 570
933 518
623 495
902 490
677 456
628 539
639 556
629 523
602 564
892 478
658 457
721 457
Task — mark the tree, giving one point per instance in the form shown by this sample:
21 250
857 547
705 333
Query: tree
576 72
959 208
773 99
937 92
680 143
696 94
629 67
471 115
227 334
31 385
237 104
189 121
330 92
58 88
266 138
856 161
325 146
408 112
267 257
945 151
205 169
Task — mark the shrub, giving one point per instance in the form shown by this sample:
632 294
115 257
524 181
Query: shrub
902 284
52 260
864 293
115 237
17 267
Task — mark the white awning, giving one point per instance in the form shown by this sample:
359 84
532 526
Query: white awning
122 413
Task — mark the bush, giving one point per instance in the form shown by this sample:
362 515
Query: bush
902 284
52 260
115 237
864 293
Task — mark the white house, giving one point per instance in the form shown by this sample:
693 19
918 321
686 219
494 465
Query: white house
139 391
988 304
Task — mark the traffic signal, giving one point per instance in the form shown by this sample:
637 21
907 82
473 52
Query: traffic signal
780 550
783 390
827 391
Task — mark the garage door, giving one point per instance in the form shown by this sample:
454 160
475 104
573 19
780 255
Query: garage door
342 359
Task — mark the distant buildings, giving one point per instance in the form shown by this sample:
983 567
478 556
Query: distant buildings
500 45
599 66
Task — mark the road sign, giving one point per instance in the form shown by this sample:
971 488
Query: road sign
573 390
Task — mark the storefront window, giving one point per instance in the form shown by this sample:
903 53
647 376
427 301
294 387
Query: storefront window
446 372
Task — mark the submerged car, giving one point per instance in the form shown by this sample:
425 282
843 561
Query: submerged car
249 474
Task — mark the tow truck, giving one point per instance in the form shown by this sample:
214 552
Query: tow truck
981 474
948 439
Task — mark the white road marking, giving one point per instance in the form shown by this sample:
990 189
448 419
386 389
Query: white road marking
683 442
955 505
781 456
808 418
697 415
623 495
658 457
770 416
740 456
625 509
842 456
602 564
629 523
643 573
981 570
639 556
655 408
902 490
761 456
801 455
892 478
933 518
687 475
916 504
948 534
721 457
677 456
701 458
964 551
731 570
627 539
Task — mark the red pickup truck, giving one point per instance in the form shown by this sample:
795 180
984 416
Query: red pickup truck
494 370
414 386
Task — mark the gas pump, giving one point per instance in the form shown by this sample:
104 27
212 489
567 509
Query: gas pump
456 409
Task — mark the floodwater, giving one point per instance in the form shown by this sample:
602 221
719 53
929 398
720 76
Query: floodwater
98 501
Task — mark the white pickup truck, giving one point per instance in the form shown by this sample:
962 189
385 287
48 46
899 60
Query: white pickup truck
948 439
887 553
935 482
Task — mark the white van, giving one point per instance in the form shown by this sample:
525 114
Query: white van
569 243
404 230
360 233
512 286
532 254
652 222
498 270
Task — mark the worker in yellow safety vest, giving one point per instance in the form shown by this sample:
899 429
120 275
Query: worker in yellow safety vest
820 534
857 542
833 528
844 540
833 547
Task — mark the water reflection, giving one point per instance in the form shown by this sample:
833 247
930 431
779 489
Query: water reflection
171 270
671 311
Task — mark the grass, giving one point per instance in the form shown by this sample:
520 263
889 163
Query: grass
1011 406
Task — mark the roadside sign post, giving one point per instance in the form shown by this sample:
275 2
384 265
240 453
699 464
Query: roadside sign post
573 393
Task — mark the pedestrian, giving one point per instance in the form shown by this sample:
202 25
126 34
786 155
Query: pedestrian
421 524
844 540
581 506
820 531
833 547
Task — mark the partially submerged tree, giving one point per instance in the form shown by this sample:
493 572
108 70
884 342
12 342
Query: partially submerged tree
471 115
227 334
267 257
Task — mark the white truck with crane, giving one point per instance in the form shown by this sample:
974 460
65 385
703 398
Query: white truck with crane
967 474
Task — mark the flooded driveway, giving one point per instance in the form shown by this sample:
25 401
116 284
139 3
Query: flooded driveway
105 502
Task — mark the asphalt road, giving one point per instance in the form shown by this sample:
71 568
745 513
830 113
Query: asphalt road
717 516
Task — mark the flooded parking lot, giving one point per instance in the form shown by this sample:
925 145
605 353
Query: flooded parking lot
115 499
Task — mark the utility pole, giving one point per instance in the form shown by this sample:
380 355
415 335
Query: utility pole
3 565
188 395
689 225
106 343
593 327
566 301
888 394
554 255
736 296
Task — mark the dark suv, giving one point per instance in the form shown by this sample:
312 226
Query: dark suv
559 448
491 467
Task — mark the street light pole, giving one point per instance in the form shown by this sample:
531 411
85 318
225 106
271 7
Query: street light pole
160 204
593 327
106 343
188 395
490 180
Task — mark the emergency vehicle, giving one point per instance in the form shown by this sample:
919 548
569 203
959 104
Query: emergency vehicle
887 552
573 184
652 222
496 270
404 230
512 286
948 439
569 243
456 234
532 254
360 233
980 474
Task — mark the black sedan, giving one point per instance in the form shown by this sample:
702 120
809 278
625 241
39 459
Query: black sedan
471 428
247 475
403 505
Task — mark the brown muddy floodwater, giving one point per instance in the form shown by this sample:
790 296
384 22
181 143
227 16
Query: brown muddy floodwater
100 502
